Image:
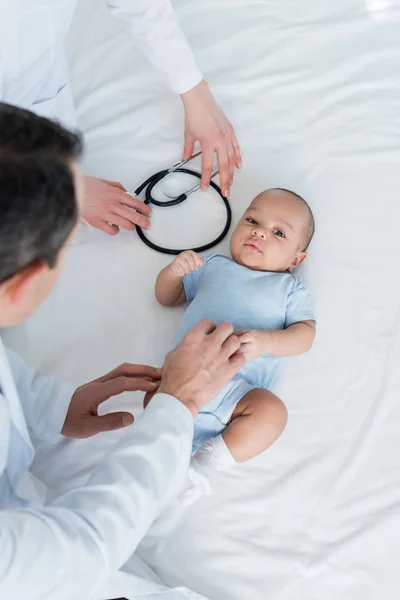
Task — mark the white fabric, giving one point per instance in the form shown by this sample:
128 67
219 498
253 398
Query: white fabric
87 534
212 457
33 69
313 90
156 31
40 414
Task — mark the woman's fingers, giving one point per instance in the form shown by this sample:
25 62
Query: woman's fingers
189 146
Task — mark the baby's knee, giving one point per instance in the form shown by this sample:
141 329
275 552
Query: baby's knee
267 407
278 413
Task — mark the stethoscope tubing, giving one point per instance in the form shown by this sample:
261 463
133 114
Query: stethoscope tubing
148 185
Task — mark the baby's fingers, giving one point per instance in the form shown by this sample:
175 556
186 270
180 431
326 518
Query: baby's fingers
179 266
244 350
190 262
199 261
194 259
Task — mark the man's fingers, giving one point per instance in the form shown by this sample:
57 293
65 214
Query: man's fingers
107 228
243 349
231 345
109 422
131 370
189 146
117 386
121 222
205 327
115 184
222 333
242 332
132 216
206 165
133 202
237 361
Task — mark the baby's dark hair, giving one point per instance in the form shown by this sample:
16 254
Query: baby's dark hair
310 227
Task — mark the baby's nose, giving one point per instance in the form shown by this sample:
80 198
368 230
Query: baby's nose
260 233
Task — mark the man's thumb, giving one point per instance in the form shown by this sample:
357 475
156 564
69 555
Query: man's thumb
112 421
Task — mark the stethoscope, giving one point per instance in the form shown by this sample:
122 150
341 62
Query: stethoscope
148 186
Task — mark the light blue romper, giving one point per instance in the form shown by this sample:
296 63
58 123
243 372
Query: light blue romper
222 290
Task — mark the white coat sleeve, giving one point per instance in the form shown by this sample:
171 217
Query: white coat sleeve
69 548
155 28
44 399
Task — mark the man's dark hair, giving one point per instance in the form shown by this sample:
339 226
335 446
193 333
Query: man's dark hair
38 208
310 227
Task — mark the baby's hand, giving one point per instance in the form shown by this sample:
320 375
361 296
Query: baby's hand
186 262
251 344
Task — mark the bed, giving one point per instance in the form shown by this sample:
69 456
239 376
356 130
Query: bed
313 90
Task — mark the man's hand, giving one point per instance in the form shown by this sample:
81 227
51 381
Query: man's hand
108 206
186 262
199 367
205 122
82 419
253 343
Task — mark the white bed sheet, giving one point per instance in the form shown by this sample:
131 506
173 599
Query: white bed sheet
313 90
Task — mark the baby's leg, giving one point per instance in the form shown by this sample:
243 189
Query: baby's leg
256 423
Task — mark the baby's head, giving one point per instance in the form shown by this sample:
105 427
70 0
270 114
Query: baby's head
274 232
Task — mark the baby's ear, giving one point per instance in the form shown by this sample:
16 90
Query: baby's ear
300 257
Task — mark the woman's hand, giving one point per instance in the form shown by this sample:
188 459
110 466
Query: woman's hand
206 123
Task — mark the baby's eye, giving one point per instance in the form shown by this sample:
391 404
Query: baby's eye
279 233
251 221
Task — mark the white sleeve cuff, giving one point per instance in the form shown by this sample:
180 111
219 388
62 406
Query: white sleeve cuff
172 405
50 421
155 29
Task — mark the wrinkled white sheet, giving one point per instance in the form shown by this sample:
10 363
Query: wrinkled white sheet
313 90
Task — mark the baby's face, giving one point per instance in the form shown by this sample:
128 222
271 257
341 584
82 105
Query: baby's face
270 235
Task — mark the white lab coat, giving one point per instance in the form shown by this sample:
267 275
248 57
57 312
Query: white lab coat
33 67
73 547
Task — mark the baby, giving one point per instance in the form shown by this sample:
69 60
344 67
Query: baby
272 314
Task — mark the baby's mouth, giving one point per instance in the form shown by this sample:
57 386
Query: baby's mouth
253 246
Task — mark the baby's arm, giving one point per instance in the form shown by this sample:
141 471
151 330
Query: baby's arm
295 339
169 285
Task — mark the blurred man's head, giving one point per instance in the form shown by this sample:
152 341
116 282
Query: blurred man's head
40 191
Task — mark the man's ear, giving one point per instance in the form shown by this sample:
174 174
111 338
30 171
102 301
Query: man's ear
17 286
300 257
